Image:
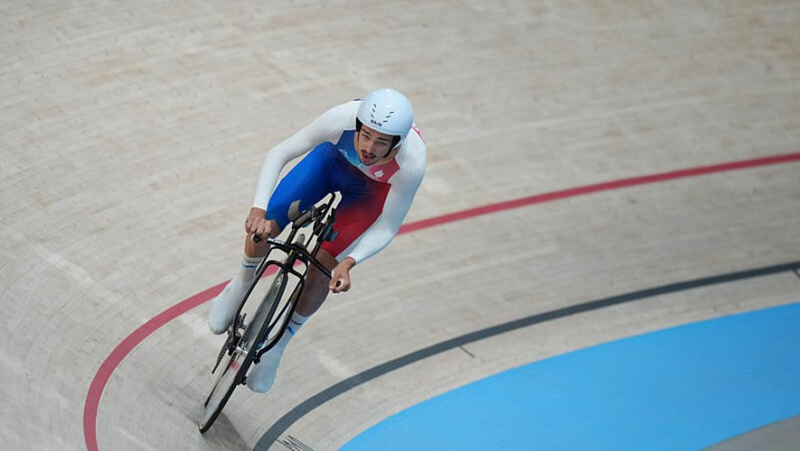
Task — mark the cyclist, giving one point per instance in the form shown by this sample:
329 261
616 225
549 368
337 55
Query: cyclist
371 152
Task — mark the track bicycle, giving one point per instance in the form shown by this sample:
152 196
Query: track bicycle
247 341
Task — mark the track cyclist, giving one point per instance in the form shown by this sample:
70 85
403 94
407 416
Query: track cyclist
369 151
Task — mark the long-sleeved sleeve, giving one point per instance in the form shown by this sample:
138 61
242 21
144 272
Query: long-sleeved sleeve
404 187
327 127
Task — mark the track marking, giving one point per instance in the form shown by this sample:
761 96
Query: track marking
294 444
118 354
288 419
467 352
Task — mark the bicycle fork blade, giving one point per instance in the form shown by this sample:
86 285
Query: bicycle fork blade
219 359
233 337
225 348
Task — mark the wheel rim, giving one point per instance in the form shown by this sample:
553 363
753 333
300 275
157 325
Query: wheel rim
231 369
275 290
224 384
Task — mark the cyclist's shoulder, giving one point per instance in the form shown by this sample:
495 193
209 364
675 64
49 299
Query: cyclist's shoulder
344 113
414 150
412 161
334 122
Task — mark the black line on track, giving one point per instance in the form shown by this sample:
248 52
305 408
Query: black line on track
289 418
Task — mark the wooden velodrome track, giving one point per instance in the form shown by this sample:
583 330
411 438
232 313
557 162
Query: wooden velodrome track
132 134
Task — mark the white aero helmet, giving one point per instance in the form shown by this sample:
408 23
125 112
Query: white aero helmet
387 111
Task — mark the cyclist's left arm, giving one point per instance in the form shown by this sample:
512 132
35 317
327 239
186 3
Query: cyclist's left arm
381 233
404 186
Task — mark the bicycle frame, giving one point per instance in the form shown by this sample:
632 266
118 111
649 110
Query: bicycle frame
297 252
246 344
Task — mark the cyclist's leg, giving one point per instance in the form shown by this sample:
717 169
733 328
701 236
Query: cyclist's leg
307 182
316 289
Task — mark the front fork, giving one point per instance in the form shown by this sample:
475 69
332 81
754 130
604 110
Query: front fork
234 337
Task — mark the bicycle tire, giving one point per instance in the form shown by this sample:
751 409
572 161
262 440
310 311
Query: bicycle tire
222 392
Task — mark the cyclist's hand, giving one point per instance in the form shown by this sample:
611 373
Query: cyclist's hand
340 276
257 224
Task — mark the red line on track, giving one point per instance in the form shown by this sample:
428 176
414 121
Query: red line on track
145 330
590 189
123 349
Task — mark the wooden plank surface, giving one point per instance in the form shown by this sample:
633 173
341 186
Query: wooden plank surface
133 134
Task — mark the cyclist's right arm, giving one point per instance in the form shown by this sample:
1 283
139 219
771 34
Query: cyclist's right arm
327 127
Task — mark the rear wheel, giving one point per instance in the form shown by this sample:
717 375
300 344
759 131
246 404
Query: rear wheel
234 365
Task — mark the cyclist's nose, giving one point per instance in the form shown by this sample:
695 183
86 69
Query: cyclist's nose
370 147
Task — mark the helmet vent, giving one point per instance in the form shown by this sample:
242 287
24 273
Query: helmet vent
380 122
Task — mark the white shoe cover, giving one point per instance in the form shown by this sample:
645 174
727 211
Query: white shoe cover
223 307
262 375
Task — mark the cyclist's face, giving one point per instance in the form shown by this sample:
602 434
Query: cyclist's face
372 146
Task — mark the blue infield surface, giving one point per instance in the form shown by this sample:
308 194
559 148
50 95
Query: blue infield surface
683 388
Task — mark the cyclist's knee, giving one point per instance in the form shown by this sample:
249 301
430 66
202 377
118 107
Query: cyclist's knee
316 277
327 260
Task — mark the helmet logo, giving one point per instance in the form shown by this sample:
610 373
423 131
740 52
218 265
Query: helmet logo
375 121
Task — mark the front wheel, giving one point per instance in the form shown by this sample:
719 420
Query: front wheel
231 371
234 366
